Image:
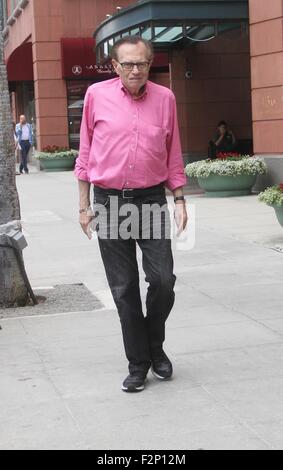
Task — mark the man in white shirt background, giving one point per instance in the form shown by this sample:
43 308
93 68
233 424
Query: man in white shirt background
25 140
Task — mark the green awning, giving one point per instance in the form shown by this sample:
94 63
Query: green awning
167 23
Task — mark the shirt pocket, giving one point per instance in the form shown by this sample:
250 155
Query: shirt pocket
155 140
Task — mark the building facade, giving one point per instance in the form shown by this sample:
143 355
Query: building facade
222 58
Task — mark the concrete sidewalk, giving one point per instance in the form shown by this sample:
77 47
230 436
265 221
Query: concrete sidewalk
61 374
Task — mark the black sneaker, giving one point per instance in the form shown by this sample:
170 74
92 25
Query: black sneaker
162 367
134 383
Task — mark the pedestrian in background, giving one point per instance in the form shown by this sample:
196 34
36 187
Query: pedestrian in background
24 135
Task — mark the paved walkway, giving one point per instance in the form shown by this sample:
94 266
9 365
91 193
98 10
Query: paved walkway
60 375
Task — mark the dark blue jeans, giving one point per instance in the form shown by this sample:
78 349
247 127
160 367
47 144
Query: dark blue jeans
25 146
143 336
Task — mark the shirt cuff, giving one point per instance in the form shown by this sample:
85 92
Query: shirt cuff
81 174
176 182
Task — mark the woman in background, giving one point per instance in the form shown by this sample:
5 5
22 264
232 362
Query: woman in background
224 140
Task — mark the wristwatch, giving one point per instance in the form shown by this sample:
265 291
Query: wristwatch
179 198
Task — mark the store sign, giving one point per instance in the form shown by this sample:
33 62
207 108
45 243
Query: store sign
79 59
77 70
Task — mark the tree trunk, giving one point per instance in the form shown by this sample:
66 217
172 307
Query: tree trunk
12 287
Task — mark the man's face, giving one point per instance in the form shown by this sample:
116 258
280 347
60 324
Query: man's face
23 120
222 129
134 79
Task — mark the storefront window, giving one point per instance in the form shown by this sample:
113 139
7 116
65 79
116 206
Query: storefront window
76 90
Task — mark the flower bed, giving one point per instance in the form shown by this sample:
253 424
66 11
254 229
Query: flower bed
54 152
227 165
54 158
230 174
273 197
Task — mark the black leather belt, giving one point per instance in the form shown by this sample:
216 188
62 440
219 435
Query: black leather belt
131 193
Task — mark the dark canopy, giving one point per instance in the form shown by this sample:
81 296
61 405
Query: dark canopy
167 22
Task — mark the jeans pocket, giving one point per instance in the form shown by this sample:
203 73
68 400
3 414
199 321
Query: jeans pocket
101 199
159 199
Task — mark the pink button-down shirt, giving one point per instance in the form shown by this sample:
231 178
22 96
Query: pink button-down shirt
130 143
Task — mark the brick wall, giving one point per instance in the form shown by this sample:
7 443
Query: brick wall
266 29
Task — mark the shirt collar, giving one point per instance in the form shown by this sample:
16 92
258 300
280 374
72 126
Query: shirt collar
126 92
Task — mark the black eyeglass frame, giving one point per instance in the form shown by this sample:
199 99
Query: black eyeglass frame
133 64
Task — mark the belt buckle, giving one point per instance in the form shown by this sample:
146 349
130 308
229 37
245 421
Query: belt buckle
124 195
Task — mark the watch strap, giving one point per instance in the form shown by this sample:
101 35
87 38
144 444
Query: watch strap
179 198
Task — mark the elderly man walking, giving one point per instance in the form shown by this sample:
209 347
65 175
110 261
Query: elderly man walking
24 135
130 150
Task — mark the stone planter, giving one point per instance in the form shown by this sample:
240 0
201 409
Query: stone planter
227 186
279 213
57 164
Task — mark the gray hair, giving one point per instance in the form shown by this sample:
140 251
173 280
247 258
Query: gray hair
132 40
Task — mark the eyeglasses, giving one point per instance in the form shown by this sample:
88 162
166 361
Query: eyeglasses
129 66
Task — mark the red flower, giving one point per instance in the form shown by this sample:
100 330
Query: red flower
281 186
55 149
227 155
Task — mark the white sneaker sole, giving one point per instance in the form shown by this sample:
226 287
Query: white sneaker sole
137 389
134 390
159 377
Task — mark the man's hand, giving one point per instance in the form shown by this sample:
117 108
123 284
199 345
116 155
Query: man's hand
86 215
181 217
85 220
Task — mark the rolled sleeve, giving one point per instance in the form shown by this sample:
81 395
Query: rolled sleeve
30 135
18 132
86 134
176 172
